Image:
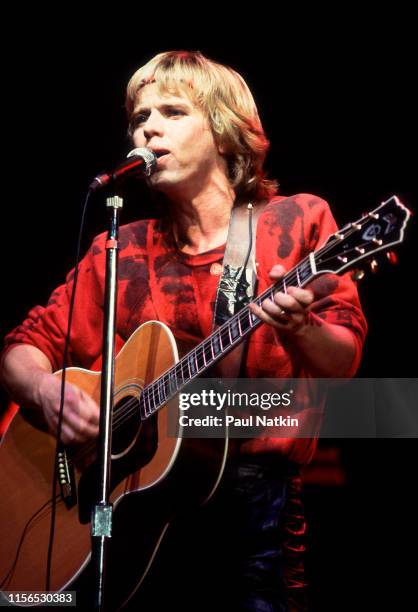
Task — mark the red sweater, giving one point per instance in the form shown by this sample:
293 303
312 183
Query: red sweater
157 281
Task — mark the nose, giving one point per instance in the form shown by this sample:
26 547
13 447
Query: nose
153 126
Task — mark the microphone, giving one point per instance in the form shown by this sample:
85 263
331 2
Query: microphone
139 163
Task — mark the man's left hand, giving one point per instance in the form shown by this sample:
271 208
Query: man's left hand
289 311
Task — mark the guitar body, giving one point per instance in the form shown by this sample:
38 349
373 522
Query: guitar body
154 477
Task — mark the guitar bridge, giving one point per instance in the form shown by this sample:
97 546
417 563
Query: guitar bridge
66 480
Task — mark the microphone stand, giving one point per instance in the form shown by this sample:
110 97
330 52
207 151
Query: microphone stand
101 524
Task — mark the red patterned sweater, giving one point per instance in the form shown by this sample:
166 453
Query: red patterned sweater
157 281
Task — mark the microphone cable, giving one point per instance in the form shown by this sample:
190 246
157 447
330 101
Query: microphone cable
62 397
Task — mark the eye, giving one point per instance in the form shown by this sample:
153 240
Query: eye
138 120
175 112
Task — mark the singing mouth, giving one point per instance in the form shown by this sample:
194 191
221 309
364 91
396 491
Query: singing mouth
161 158
160 152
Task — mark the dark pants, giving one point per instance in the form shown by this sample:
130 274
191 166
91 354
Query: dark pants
242 551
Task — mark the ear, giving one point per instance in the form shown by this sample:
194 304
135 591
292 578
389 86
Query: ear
220 145
217 129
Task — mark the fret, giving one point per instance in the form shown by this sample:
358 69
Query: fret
207 352
200 361
220 340
203 354
304 272
172 382
234 329
191 364
245 319
143 405
211 338
147 406
252 317
176 380
145 395
284 287
161 391
151 399
154 397
229 333
239 324
165 383
226 337
157 386
216 344
189 374
180 366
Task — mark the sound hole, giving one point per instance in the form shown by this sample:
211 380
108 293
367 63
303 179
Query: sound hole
126 424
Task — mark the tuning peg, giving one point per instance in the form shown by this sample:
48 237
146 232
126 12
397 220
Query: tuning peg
373 266
392 257
357 275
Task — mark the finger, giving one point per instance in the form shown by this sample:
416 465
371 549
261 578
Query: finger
68 435
81 429
277 271
81 416
288 303
267 318
80 403
275 310
304 296
91 411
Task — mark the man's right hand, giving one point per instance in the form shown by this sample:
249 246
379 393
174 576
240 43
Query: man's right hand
26 373
80 421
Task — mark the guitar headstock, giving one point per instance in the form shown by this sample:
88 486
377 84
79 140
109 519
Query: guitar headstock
377 231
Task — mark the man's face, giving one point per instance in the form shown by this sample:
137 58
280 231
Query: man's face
171 125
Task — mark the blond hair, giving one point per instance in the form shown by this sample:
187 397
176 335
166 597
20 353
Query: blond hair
225 99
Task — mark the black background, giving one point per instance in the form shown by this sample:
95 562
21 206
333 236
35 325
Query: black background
337 101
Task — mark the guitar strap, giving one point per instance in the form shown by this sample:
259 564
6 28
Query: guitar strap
237 284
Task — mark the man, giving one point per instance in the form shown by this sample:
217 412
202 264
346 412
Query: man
201 120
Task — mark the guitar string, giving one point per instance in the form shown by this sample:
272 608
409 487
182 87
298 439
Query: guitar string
127 410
